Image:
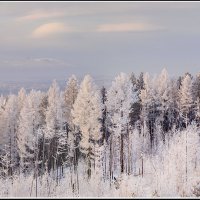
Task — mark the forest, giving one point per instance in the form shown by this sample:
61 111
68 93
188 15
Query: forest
139 137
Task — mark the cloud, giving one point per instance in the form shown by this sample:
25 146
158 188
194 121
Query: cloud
47 60
49 29
125 27
36 15
29 62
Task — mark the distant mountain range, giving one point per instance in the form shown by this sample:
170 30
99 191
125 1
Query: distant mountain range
12 87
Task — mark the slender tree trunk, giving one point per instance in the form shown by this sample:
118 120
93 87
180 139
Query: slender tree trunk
36 170
186 152
105 161
111 158
89 163
75 159
94 157
77 180
71 179
56 161
10 167
128 151
142 167
122 153
143 135
43 145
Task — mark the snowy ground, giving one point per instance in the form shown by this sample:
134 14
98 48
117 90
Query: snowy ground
164 176
130 186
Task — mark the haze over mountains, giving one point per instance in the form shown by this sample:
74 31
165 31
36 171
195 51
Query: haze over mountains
13 87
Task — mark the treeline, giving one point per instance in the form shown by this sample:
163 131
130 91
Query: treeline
108 129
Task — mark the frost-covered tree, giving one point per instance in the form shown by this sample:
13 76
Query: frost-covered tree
181 166
21 98
136 106
196 96
162 103
146 96
157 105
162 90
54 120
186 113
70 95
70 137
173 101
87 111
196 87
148 114
3 135
135 114
54 125
29 123
105 133
10 122
140 82
133 79
120 96
185 99
43 108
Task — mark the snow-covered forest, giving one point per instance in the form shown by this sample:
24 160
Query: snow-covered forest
137 138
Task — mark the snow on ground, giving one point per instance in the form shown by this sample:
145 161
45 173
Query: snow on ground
164 176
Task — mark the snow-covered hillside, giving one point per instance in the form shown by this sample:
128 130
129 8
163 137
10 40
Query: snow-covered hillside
132 137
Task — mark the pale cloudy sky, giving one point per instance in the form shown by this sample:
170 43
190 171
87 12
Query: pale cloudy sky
46 40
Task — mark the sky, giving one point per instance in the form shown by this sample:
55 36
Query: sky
52 40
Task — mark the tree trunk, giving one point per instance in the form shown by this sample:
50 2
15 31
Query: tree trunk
36 168
89 163
186 152
128 151
121 153
111 159
43 145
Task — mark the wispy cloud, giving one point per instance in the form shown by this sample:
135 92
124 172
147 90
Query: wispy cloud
47 60
125 27
43 61
49 29
37 15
